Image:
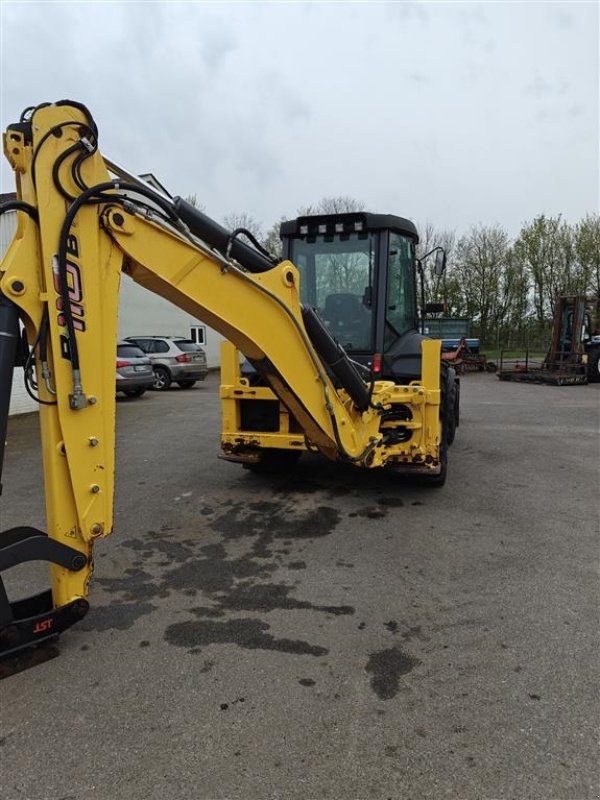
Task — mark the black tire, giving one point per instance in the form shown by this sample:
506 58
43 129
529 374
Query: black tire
437 481
451 400
135 392
162 379
449 418
457 405
593 365
275 461
186 384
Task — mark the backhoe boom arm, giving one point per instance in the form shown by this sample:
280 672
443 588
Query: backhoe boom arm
78 230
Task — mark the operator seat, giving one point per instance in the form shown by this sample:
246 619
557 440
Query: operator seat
342 311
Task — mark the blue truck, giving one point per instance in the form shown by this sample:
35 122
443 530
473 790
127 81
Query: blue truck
451 330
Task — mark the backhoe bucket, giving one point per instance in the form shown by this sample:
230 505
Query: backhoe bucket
26 623
33 620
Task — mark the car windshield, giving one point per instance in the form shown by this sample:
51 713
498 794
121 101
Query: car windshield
129 351
187 346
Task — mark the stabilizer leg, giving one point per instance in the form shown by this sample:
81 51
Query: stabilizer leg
28 622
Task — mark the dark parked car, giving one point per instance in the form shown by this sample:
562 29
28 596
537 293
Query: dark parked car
134 370
173 359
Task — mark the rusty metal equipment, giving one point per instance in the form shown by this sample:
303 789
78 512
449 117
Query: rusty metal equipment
464 359
574 351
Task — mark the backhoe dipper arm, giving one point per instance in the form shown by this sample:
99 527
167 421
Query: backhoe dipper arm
77 230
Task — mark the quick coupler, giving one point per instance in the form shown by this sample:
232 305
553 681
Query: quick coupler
29 622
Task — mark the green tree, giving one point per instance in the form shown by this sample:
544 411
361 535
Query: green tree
512 303
587 250
272 240
481 261
547 248
437 286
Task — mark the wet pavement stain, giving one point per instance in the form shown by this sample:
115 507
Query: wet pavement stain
135 584
271 596
206 611
386 667
298 484
230 583
213 572
247 633
267 521
115 615
391 502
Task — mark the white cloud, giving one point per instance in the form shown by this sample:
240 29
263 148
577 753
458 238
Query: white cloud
458 112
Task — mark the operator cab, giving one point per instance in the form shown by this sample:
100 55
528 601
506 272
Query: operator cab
358 272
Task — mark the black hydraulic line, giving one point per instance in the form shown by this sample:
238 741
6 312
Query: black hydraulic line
336 358
26 113
56 168
9 341
220 238
43 335
56 130
250 236
84 109
94 195
19 205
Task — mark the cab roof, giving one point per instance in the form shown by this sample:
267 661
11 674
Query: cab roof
355 221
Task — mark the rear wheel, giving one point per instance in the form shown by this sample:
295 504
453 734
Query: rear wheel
186 384
162 379
457 406
135 392
437 481
449 414
450 400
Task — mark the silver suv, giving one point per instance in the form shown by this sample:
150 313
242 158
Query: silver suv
173 358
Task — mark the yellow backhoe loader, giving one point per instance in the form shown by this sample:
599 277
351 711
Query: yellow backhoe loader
334 362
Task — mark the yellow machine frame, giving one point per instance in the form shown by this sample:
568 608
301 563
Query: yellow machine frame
259 314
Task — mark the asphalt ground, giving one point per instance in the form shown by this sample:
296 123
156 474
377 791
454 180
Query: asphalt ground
329 633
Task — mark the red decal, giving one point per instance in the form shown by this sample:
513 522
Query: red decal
74 291
43 625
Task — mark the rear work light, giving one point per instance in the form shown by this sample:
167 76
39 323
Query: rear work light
184 358
123 364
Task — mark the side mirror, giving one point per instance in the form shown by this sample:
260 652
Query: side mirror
440 262
434 308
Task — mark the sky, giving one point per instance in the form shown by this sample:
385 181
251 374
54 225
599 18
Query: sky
455 113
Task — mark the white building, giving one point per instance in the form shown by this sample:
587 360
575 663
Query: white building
143 313
140 313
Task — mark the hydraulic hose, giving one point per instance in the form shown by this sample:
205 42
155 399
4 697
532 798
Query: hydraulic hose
216 236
